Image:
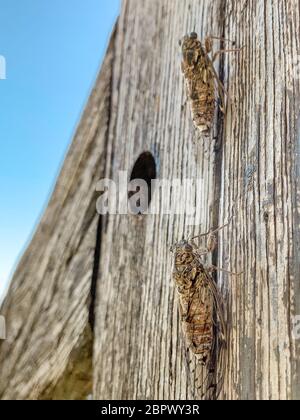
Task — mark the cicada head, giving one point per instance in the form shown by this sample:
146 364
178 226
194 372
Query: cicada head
183 252
190 46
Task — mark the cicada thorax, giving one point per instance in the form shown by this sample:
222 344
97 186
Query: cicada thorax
200 82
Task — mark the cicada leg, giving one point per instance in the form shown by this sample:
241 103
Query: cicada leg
211 239
221 88
209 39
214 268
233 50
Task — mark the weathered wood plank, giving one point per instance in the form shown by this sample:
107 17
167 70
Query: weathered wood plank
260 185
138 348
253 176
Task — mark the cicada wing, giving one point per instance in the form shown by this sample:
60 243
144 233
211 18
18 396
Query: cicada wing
219 305
220 86
200 377
221 367
206 376
206 381
219 352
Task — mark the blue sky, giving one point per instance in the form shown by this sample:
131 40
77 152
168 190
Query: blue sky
53 50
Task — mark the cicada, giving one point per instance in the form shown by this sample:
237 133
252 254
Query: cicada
202 315
201 80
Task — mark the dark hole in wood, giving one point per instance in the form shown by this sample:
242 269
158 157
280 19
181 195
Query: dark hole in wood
145 169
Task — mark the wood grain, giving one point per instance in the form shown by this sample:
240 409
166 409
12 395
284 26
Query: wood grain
250 172
260 167
138 349
250 168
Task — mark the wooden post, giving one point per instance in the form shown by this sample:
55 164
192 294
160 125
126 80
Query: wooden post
250 171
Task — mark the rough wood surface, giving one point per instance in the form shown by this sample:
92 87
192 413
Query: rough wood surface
138 350
250 169
251 172
261 168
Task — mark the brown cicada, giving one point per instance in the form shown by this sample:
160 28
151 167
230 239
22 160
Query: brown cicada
201 79
202 313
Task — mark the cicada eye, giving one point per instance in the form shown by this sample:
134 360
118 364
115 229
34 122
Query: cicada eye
185 246
188 248
194 35
183 40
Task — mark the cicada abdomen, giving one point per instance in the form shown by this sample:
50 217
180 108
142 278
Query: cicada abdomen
200 82
202 317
